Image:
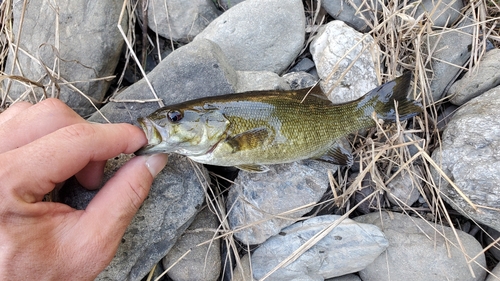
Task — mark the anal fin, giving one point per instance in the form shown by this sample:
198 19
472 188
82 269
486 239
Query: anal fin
253 168
338 155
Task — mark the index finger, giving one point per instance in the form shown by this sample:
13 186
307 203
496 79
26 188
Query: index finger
22 124
34 169
13 110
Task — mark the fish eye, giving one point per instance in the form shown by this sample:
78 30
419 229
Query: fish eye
174 116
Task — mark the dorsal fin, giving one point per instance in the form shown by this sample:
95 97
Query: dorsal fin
315 91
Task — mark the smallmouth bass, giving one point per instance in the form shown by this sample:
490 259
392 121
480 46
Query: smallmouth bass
254 129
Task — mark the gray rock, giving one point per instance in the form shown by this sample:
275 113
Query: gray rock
479 80
157 272
78 197
469 156
411 141
348 248
495 274
204 261
196 70
491 236
260 80
174 199
87 47
404 189
314 73
368 188
259 34
304 64
348 277
332 42
442 13
412 148
449 51
243 271
185 19
417 252
360 16
300 80
227 4
255 199
445 115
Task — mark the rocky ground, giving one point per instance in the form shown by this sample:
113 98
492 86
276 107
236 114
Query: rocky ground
422 200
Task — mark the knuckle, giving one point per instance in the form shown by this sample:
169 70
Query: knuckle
78 130
138 191
20 105
56 108
6 212
52 105
137 194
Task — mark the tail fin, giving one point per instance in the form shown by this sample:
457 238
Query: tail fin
384 97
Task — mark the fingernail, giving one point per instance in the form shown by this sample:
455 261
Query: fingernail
156 163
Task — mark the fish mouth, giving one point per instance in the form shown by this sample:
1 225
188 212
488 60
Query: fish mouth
153 134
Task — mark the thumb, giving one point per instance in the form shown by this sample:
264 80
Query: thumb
112 209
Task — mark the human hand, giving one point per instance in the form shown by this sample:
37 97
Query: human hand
43 145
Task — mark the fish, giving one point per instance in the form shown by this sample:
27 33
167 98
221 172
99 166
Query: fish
253 130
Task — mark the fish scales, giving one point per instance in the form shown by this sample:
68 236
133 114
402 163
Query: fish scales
296 128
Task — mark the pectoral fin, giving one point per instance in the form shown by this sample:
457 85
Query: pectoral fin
338 155
253 168
248 140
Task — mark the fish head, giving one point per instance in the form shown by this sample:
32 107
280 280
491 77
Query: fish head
186 131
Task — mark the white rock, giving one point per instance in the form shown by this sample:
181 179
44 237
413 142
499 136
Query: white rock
348 248
469 155
259 197
335 50
180 20
417 252
259 81
259 34
300 80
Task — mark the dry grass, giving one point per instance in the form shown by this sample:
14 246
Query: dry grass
383 153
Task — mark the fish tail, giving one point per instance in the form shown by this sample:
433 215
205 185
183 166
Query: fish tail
394 93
